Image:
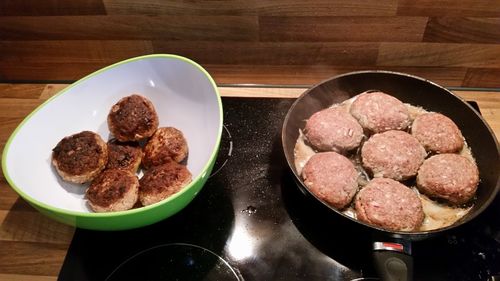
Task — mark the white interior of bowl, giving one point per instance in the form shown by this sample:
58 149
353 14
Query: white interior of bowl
183 95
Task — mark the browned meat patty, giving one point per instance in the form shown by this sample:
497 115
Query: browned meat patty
132 118
332 178
80 157
333 129
379 112
437 133
113 190
392 154
167 144
124 155
448 176
390 205
161 182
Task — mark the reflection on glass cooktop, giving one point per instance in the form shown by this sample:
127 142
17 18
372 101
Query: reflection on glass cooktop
251 222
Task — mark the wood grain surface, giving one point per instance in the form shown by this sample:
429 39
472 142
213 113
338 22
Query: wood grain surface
462 30
255 7
436 54
33 246
463 8
341 29
309 40
130 27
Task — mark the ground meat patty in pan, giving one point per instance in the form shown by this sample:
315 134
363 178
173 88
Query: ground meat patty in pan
451 177
437 133
161 182
333 129
379 112
133 118
392 154
332 178
113 190
390 205
79 158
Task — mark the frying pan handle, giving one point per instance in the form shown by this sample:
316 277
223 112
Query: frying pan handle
393 261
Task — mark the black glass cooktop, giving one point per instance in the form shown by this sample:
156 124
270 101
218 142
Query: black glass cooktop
251 222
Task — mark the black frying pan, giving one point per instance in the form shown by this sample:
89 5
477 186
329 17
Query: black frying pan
395 261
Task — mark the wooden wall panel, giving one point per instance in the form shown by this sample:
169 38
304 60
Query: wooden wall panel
64 59
318 8
463 30
343 29
312 74
281 53
458 8
433 54
180 7
482 77
130 27
71 51
244 41
51 7
254 7
47 71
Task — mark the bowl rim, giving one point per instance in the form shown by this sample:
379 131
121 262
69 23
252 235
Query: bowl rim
89 214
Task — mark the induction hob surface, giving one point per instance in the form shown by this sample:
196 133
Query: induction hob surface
251 222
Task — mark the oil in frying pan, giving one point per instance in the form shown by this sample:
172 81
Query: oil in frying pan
437 214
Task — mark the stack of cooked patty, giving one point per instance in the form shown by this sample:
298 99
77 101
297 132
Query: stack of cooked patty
395 148
111 168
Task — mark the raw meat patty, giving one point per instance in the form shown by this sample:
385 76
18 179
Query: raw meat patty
390 205
379 112
332 178
333 129
392 154
448 176
437 133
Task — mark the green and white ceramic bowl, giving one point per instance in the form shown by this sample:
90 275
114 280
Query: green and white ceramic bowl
185 97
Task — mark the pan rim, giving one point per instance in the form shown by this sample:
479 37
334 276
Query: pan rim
416 235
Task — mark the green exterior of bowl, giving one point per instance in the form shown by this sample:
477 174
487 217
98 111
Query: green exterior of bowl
133 218
137 217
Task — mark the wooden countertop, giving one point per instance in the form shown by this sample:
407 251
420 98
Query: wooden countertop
32 246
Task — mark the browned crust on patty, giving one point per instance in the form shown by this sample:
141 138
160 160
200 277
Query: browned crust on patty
113 190
133 118
167 144
80 157
389 204
127 155
161 182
